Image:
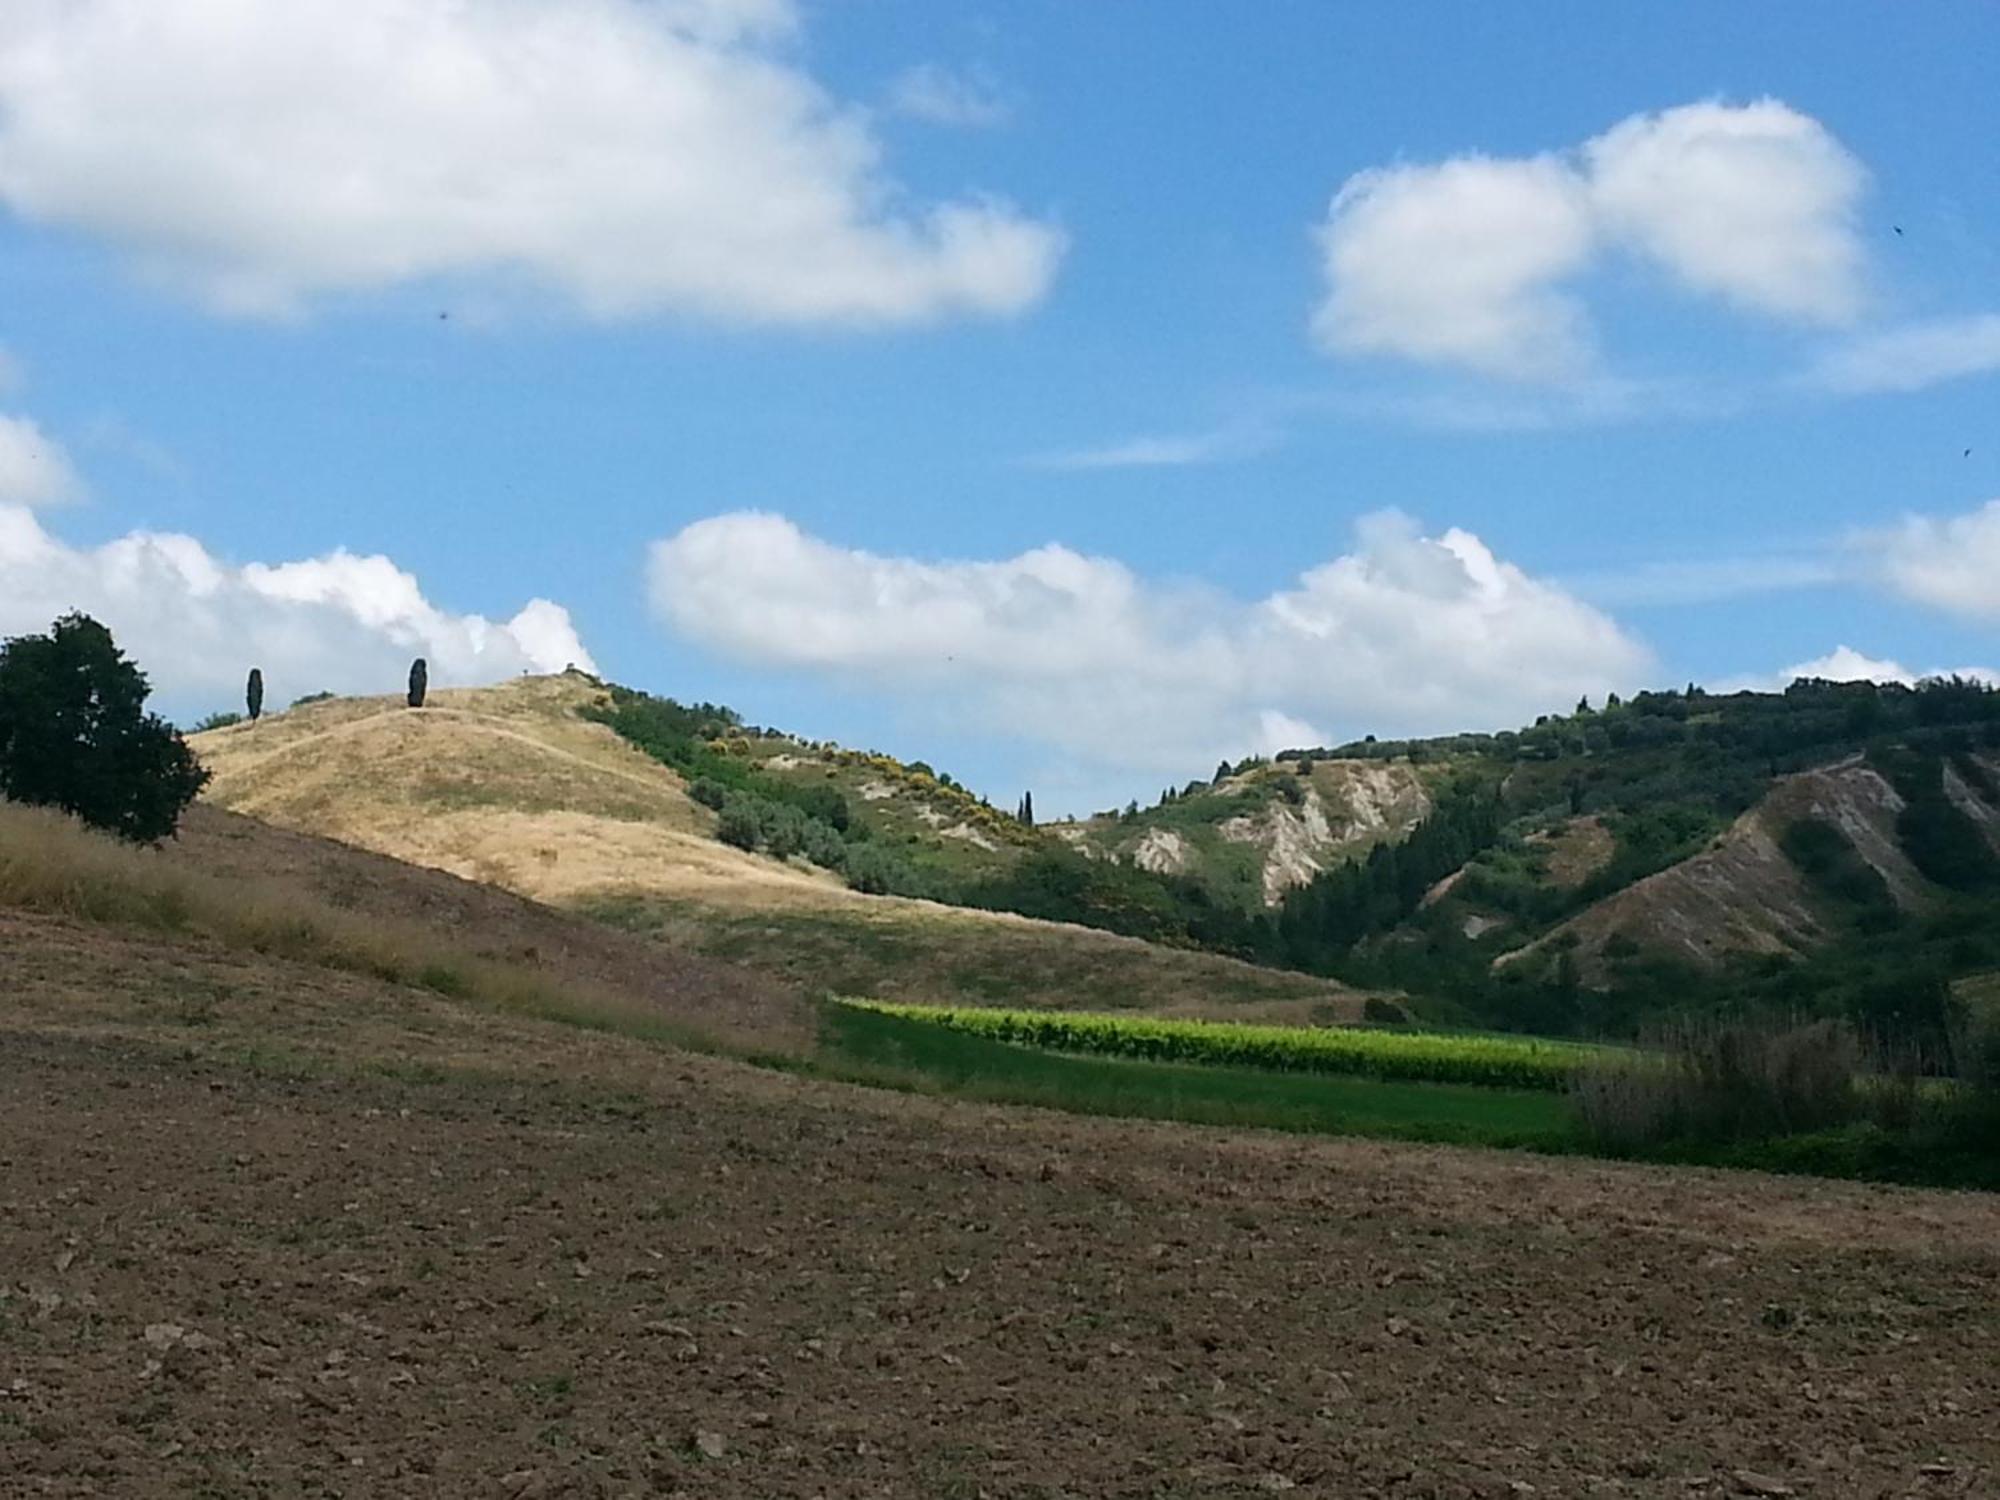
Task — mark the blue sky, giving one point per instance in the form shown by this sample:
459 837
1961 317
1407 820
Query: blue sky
1005 384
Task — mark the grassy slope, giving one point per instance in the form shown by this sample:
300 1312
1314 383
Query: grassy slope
508 786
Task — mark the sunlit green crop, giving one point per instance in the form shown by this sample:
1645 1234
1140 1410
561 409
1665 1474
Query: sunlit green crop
1494 1062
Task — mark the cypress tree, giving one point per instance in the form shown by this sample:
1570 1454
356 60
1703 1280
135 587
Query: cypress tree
1028 808
420 679
253 694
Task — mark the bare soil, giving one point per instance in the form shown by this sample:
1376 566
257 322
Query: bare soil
271 1231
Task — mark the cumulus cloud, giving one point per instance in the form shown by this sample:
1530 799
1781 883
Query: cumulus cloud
1845 664
34 469
1912 358
630 156
1950 563
1405 632
945 96
1465 262
1457 263
196 624
1754 204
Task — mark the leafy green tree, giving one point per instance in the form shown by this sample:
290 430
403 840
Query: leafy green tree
253 694
219 720
74 734
420 681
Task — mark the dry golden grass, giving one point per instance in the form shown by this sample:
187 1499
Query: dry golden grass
508 786
51 863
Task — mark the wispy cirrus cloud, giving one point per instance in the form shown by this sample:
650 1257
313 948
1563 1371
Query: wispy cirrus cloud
34 468
1710 580
1910 358
969 99
1166 451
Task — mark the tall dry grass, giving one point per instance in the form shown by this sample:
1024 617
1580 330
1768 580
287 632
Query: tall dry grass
52 863
1716 1081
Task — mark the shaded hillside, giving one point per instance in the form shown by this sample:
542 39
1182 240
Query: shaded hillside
1835 846
514 787
1746 894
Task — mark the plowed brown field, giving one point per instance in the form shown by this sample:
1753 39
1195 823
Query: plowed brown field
271 1230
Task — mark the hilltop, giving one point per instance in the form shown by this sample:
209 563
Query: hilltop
518 786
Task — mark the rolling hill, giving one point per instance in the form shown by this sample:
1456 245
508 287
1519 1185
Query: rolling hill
1835 847
515 787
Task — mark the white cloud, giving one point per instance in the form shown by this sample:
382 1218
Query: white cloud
1950 563
1457 264
630 156
1752 203
1404 633
1845 664
945 96
196 624
1711 579
34 470
1465 262
1164 451
1912 358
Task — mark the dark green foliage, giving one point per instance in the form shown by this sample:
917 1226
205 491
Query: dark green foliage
420 681
1824 855
822 802
1321 922
219 720
1060 885
758 811
1027 813
74 734
1941 840
253 694
319 697
1647 841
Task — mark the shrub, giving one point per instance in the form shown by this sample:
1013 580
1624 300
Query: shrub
739 825
74 734
1715 1082
709 793
219 720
